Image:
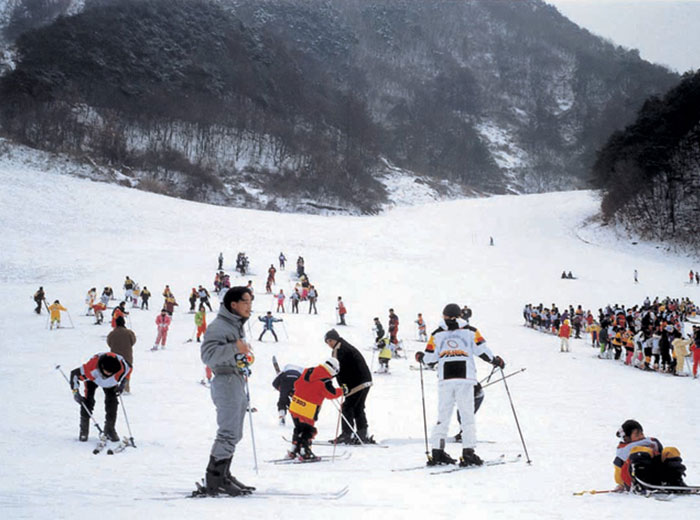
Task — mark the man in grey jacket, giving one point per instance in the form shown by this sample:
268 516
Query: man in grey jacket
226 352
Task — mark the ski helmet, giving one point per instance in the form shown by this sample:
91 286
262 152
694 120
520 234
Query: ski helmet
628 427
452 310
110 363
332 365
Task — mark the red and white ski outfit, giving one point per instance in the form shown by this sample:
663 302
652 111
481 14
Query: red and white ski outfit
454 352
163 322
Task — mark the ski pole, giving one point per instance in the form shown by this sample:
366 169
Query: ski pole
284 328
354 431
252 433
425 421
58 367
499 380
527 457
70 319
126 418
337 429
594 492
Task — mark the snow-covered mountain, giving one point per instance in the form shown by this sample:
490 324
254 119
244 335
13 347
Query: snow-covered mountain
311 103
68 234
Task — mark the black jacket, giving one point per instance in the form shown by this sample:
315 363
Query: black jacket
353 367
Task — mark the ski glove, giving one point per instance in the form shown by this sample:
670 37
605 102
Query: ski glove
419 356
345 389
498 362
120 387
243 364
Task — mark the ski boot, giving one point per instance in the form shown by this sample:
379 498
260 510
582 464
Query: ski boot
230 478
440 457
216 481
366 439
111 433
343 438
469 458
307 455
281 414
84 429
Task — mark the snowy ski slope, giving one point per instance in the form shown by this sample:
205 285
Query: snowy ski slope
69 234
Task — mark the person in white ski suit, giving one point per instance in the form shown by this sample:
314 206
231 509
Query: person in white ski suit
453 346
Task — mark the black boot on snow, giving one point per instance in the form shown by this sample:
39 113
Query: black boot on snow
439 457
111 433
469 458
234 480
307 454
343 438
84 429
216 481
366 439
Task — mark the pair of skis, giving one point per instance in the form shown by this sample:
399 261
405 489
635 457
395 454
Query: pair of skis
451 468
104 441
344 455
200 492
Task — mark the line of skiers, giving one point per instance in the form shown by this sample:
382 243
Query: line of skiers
650 335
694 276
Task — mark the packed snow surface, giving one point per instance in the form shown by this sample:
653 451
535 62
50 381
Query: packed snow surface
68 234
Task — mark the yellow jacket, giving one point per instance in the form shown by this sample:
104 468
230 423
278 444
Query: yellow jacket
55 309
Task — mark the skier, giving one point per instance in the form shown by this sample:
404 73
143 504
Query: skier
226 352
221 261
379 331
385 355
204 297
295 297
283 260
268 321
280 300
119 310
170 304
355 374
121 341
695 349
128 288
393 327
109 371
636 276
641 459
422 334
564 335
162 323
55 309
691 276
310 390
312 295
284 384
90 298
99 309
341 310
200 320
680 351
145 295
39 299
453 346
271 274
193 298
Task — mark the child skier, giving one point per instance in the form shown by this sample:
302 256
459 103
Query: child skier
193 298
314 385
284 384
163 323
342 311
55 309
90 300
200 320
422 335
280 300
268 320
385 355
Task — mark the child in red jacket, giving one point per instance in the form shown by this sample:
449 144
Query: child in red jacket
310 390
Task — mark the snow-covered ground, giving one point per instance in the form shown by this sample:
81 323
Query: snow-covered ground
69 234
